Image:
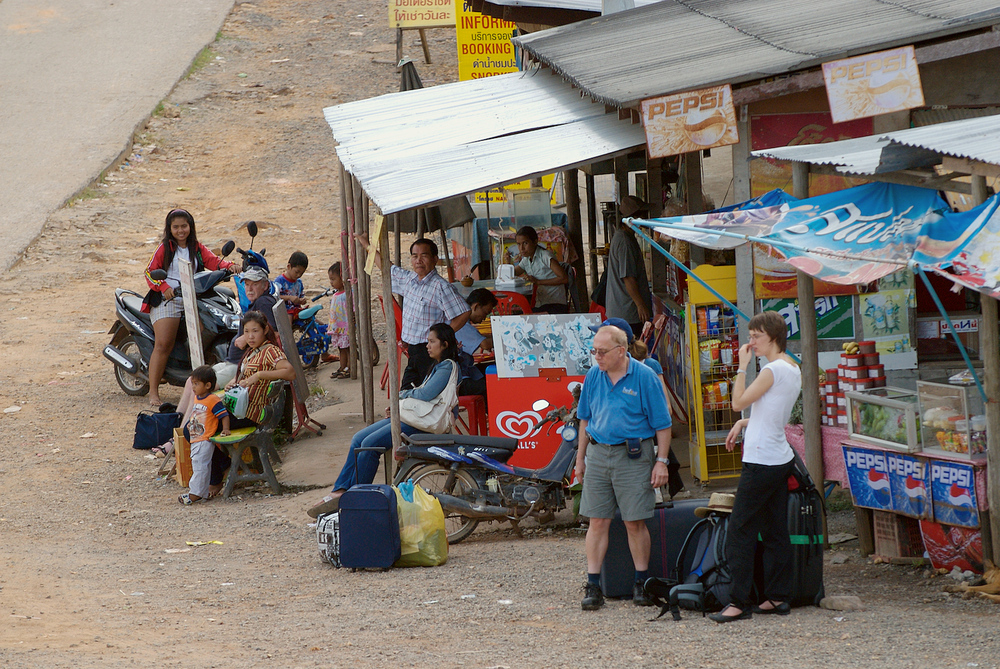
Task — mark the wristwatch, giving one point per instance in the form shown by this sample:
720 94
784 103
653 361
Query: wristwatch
665 461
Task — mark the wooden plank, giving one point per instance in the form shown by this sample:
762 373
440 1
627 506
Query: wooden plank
364 306
347 263
969 166
591 235
392 352
928 180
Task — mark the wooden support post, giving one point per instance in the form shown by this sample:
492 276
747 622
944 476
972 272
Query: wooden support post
398 242
621 186
393 350
659 266
447 255
421 217
399 48
591 235
423 43
364 307
571 194
989 344
347 264
693 187
808 338
864 520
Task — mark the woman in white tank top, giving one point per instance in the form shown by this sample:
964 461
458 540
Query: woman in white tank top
761 504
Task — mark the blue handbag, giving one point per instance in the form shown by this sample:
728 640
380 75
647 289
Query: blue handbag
152 429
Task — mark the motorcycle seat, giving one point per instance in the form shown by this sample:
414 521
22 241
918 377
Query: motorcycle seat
455 440
133 303
426 452
306 314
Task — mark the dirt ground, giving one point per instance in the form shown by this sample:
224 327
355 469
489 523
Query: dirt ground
95 566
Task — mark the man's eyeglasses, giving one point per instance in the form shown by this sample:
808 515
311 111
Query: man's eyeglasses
601 353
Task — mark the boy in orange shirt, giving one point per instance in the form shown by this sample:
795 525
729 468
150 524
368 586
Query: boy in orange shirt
207 413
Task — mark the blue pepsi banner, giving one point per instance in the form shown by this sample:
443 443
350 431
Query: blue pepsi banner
953 489
868 477
853 236
909 482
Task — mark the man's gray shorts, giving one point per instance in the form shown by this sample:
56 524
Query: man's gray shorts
611 480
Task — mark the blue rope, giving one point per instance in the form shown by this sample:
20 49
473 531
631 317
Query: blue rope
937 302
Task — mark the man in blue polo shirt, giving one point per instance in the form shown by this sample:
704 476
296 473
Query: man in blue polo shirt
622 456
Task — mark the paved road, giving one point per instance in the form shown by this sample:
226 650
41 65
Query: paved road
76 78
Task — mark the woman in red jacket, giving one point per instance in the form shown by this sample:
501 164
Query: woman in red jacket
165 309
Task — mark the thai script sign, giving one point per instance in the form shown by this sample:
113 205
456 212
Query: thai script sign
687 122
421 13
873 84
484 46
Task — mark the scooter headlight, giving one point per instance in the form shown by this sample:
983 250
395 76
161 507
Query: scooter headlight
231 321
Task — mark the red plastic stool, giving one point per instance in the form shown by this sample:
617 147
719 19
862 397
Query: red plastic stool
475 407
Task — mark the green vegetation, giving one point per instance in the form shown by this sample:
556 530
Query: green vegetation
204 57
839 500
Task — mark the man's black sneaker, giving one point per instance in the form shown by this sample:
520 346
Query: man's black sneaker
639 597
593 598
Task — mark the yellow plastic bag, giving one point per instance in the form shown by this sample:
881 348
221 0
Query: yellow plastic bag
422 537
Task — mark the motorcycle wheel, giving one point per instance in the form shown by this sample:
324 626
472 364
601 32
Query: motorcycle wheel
309 360
129 383
432 478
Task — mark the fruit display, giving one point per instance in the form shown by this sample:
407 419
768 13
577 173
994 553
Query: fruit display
887 417
952 419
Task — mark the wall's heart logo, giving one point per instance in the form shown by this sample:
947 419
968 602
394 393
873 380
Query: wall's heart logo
517 425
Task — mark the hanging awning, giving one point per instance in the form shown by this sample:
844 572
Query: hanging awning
976 139
416 148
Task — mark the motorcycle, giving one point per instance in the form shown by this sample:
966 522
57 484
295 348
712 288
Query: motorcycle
470 477
132 334
251 258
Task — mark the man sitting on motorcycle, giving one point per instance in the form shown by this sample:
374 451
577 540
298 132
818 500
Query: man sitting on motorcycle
258 290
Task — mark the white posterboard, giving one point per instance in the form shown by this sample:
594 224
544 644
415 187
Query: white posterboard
191 316
525 344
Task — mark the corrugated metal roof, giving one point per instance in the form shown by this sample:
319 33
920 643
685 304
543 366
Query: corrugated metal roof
579 5
419 147
679 45
975 138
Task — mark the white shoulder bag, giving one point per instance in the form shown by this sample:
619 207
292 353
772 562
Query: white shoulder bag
435 416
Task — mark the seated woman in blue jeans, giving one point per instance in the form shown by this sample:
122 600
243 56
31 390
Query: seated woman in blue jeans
443 349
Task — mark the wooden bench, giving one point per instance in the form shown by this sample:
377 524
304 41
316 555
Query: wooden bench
257 443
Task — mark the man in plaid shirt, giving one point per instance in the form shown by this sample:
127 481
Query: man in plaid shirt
427 299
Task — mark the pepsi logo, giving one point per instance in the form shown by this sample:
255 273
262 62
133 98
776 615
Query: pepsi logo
878 480
914 488
959 496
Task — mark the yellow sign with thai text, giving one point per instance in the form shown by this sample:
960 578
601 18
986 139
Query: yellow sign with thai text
484 46
421 13
688 122
873 84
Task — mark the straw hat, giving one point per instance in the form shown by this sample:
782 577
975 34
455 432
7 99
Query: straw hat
719 501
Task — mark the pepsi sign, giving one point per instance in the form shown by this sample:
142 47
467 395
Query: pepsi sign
953 489
909 481
868 477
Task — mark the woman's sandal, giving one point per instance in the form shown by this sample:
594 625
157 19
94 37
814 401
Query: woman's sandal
164 449
186 499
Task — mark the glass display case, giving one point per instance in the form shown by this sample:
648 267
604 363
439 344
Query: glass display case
886 417
952 420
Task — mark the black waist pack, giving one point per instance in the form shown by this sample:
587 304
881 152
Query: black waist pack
152 429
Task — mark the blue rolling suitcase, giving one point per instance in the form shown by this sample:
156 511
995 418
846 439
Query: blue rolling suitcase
369 527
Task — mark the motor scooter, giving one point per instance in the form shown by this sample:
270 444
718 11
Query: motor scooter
312 337
132 334
470 477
